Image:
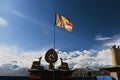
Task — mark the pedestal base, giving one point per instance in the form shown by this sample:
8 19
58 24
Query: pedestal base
50 74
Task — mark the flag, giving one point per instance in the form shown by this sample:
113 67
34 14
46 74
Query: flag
63 22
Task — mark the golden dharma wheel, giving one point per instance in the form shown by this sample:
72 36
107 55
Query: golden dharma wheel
51 56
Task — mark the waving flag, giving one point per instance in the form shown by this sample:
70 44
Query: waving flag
63 22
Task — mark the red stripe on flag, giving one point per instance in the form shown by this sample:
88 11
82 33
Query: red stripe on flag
70 24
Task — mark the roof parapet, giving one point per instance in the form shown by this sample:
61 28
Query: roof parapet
115 47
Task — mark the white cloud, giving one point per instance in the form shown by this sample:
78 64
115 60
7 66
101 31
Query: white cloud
17 13
114 41
101 38
13 59
85 58
3 22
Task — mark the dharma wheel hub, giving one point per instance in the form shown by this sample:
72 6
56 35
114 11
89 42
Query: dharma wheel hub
51 57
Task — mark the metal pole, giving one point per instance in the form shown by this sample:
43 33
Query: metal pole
54 37
54 49
54 31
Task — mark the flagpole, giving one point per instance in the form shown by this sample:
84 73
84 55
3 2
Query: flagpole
54 49
54 46
54 38
54 32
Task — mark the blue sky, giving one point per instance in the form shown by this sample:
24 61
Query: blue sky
26 31
29 24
